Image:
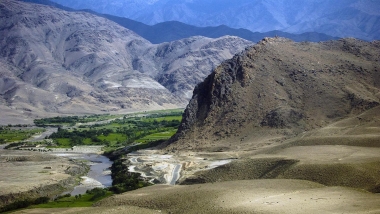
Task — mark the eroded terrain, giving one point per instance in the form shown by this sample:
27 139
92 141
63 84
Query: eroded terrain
163 168
26 174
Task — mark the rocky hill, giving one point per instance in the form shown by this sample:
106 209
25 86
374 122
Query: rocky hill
349 18
54 61
279 88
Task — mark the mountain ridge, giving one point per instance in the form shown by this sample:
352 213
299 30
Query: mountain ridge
351 18
174 30
76 62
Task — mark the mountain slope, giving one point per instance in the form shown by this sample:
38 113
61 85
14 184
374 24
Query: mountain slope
279 89
350 18
74 62
73 57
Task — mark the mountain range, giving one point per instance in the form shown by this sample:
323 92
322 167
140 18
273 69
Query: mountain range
55 61
169 31
340 18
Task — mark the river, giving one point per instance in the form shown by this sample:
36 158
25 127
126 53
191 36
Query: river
99 174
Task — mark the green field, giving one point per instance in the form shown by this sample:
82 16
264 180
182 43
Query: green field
85 200
9 135
113 137
157 136
63 142
125 129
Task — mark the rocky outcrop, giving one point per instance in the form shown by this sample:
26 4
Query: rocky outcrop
281 85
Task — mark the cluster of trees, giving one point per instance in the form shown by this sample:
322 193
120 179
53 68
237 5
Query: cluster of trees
123 180
64 133
11 145
56 120
148 124
65 120
97 193
10 125
24 203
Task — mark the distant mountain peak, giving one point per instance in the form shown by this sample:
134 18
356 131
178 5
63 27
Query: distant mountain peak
351 18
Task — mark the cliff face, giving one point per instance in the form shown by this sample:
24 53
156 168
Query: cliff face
279 86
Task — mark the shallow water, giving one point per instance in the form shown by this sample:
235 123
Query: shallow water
98 176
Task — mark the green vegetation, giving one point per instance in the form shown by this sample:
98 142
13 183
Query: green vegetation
24 203
158 136
137 127
72 120
85 200
123 180
139 130
9 135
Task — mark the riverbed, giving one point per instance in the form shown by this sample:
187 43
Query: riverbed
99 174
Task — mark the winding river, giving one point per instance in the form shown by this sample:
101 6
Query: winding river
99 174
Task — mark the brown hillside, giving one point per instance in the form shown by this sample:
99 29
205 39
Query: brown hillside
279 88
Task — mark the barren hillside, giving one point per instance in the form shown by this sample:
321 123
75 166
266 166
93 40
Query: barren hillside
278 89
59 62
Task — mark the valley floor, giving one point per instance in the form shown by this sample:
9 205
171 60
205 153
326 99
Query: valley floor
334 169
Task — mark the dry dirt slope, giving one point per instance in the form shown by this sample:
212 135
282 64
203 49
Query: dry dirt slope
255 196
279 88
291 110
344 153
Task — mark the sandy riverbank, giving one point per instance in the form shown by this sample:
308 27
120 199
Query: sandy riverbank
32 174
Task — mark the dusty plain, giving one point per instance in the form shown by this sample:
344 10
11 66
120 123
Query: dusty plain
248 196
26 174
